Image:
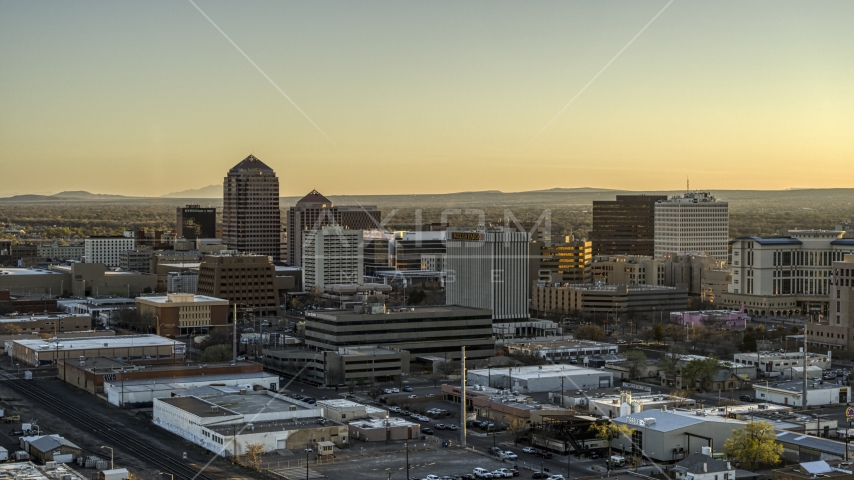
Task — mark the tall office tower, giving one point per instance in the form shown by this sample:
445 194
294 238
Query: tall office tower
488 270
315 211
195 221
375 250
251 217
625 226
332 255
692 223
568 262
407 248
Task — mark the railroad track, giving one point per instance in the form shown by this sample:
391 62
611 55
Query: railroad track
130 444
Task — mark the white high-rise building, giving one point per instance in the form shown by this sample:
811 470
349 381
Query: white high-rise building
488 270
696 222
106 250
332 255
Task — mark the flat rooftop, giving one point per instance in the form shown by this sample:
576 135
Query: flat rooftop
28 271
408 311
796 386
178 383
93 343
250 404
165 300
35 318
381 422
539 371
340 403
276 426
672 420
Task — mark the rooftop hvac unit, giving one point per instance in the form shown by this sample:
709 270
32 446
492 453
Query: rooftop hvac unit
243 391
106 344
214 408
293 408
51 465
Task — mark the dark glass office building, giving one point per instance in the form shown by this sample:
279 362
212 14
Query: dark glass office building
625 226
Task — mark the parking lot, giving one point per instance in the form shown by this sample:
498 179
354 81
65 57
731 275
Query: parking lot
435 461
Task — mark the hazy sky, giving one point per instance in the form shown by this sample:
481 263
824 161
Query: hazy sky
147 98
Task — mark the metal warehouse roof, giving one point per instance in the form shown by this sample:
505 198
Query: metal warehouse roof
815 443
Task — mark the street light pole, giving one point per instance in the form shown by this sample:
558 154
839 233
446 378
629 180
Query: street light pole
407 460
111 456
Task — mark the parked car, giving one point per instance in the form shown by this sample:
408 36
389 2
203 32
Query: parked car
394 409
430 395
509 455
529 450
556 477
413 396
539 475
432 477
407 389
467 476
621 342
514 472
501 473
453 427
440 426
746 398
544 454
427 431
482 473
394 390
495 451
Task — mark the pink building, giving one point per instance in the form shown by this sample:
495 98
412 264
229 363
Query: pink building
712 318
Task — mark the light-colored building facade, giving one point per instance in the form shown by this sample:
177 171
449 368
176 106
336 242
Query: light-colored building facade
784 276
106 250
541 378
251 219
225 424
488 269
339 367
332 255
836 329
55 251
136 260
314 211
693 222
183 313
775 364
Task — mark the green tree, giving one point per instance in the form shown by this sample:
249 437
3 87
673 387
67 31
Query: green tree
216 353
700 370
416 297
658 332
590 332
611 431
749 342
754 444
636 360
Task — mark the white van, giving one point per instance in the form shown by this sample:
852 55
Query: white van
482 473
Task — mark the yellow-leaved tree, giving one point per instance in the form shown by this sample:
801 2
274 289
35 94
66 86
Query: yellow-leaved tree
754 444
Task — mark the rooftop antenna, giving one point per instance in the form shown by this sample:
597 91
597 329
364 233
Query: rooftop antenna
687 184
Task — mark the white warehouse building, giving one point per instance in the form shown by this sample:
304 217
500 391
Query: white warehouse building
541 378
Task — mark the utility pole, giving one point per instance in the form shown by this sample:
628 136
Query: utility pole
407 449
561 393
234 342
806 365
463 416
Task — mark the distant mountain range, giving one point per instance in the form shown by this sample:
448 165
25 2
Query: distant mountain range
215 191
550 198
